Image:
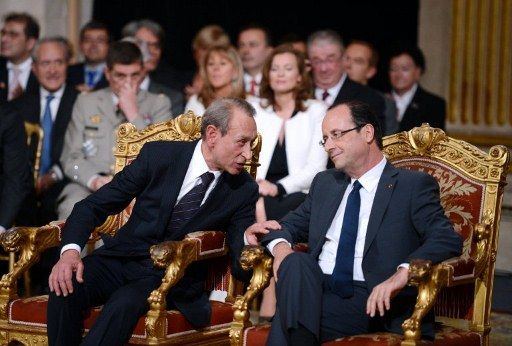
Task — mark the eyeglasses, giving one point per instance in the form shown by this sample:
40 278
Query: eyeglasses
336 135
331 60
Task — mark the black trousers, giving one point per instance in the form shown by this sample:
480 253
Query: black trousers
303 299
121 284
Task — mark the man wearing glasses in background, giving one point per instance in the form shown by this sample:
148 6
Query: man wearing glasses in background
364 222
90 74
87 157
325 52
18 36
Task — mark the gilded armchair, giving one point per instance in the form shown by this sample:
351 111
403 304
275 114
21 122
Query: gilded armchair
24 320
459 289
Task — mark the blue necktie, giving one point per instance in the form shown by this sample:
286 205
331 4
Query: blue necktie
342 276
189 204
46 159
91 76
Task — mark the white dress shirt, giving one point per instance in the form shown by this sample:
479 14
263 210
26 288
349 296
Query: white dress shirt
333 91
25 68
327 257
402 102
196 168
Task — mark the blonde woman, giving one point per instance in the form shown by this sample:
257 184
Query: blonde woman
222 73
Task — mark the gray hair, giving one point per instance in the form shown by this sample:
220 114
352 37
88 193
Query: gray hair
132 27
325 36
220 111
64 43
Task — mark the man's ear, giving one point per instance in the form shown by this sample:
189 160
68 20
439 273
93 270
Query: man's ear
212 135
371 72
31 42
369 133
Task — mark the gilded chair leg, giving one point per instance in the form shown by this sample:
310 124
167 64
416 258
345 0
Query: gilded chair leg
12 259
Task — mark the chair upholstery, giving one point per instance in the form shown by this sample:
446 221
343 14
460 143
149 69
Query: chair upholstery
24 320
459 289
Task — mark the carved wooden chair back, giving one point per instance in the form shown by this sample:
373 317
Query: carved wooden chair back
471 186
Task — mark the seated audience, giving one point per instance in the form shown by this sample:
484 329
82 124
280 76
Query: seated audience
15 179
49 106
158 78
209 189
206 38
415 104
222 77
360 61
90 74
18 36
290 124
363 222
87 156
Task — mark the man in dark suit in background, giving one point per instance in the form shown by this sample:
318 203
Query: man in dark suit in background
161 78
50 107
164 178
325 51
415 104
14 169
90 74
19 35
364 222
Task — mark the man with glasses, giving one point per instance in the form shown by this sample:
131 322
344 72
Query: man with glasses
159 77
18 36
325 52
89 75
87 157
364 221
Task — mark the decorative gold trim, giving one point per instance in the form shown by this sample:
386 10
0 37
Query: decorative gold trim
255 258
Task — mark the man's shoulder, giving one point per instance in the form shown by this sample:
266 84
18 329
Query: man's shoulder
411 176
93 96
329 176
429 97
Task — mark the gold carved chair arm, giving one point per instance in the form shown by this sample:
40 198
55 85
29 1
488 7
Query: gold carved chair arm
253 257
175 257
29 243
430 279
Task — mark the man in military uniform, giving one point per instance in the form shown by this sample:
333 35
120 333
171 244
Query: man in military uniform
88 157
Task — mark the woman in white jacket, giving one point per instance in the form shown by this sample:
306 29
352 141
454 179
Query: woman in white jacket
291 127
222 75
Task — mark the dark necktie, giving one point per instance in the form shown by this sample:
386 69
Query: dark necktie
342 276
189 204
325 95
91 76
47 124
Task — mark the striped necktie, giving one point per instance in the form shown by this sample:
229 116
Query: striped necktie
189 204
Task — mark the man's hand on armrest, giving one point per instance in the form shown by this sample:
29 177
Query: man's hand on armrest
254 232
380 298
60 280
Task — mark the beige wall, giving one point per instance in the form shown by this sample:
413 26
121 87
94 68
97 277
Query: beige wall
434 39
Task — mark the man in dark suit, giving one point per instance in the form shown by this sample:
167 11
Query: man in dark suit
164 178
364 222
325 51
415 104
19 35
51 57
94 42
14 168
170 81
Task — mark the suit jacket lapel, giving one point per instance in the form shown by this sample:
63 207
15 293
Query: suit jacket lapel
173 181
106 106
331 201
383 195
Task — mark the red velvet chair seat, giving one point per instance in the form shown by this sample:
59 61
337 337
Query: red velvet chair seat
445 336
32 312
